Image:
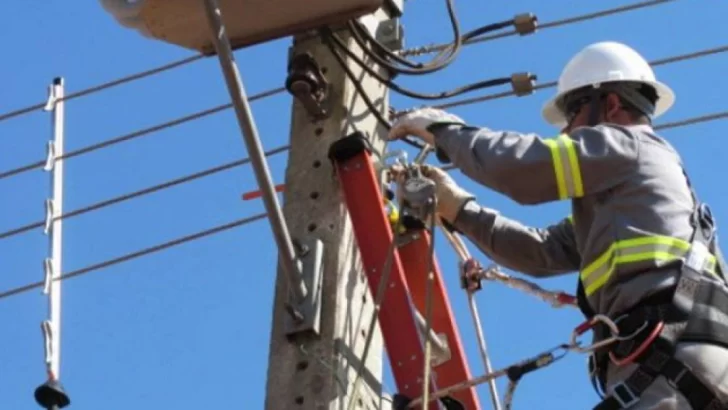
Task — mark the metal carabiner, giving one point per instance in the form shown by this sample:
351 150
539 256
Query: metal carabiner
590 324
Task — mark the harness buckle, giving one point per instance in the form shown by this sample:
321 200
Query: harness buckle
624 395
674 381
591 324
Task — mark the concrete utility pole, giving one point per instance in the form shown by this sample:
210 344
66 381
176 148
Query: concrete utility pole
318 372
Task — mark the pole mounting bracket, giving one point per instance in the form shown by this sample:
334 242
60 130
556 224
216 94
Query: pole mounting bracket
308 317
307 83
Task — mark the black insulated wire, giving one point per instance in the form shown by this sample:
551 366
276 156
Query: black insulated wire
409 93
438 63
361 35
435 48
360 89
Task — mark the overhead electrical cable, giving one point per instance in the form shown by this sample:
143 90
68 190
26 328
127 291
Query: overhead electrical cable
221 228
550 84
143 252
139 193
403 53
104 86
136 134
361 36
416 51
409 93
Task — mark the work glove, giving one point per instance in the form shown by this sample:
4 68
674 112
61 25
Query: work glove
419 122
450 197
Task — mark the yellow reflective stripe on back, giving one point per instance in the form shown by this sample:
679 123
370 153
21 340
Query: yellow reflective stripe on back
566 167
649 248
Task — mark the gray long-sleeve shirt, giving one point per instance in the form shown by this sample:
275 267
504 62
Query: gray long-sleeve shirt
631 206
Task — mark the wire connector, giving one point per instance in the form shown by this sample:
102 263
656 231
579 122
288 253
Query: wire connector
523 83
525 23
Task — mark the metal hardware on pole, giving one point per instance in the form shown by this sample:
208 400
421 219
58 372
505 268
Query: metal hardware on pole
287 252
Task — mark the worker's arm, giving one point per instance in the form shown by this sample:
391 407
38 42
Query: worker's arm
530 169
538 252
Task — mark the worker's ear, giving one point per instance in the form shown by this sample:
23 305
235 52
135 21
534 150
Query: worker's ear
612 106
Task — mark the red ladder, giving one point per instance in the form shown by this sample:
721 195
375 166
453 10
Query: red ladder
352 160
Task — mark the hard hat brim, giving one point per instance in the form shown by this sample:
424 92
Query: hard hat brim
553 115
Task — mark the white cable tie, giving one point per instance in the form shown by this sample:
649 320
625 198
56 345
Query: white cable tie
50 156
52 98
48 275
47 328
49 211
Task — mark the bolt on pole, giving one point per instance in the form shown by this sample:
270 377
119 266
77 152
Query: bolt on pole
244 115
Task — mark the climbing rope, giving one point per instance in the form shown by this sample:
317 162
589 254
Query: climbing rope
516 371
473 273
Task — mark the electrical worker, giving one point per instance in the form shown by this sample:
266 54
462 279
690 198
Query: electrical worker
643 245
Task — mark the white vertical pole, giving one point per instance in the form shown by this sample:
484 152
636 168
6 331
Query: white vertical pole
54 229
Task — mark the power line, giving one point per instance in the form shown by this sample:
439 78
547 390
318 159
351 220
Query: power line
692 121
142 192
404 53
136 134
434 48
244 221
230 165
104 86
550 84
139 253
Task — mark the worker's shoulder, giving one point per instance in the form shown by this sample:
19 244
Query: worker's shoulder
626 139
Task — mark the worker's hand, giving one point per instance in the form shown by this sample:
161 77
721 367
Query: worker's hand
450 196
417 122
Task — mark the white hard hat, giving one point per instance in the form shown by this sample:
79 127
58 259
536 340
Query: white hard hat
605 62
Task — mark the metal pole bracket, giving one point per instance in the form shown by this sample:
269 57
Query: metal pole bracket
306 82
308 317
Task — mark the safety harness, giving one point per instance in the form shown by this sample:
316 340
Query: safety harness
695 309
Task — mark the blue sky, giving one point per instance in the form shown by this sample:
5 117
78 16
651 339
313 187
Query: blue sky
181 328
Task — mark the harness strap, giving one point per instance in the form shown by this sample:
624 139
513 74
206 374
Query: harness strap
658 360
697 312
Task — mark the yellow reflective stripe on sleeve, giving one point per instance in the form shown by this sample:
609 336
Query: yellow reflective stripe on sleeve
650 248
566 167
558 169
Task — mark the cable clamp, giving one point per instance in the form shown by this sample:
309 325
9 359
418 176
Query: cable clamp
47 275
50 211
52 98
525 23
50 156
523 83
47 328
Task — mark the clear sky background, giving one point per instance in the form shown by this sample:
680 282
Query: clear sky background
187 327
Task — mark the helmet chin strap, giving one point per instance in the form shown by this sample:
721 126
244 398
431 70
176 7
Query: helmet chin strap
595 106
